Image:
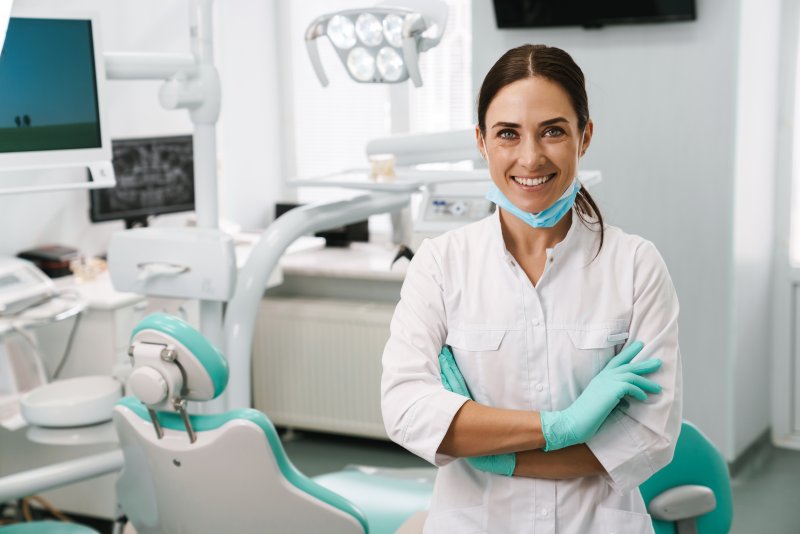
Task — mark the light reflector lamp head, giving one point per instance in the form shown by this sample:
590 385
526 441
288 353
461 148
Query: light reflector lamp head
380 44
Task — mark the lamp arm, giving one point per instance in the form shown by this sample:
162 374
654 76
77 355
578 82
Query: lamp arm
316 30
413 27
240 315
316 62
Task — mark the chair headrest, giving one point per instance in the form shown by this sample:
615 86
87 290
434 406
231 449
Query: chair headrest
171 360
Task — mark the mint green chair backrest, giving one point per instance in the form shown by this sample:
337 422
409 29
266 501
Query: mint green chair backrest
236 462
212 422
696 461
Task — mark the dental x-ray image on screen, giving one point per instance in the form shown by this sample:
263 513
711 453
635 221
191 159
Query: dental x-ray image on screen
154 176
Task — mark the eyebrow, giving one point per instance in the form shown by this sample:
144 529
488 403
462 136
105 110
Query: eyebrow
548 122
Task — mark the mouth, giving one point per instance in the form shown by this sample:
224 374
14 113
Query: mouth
533 181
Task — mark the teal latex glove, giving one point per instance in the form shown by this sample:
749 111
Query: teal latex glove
452 380
584 417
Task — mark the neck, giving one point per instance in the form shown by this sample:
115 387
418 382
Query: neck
521 238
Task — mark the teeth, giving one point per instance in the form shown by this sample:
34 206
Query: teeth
532 181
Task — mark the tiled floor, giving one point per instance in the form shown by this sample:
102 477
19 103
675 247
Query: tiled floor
766 496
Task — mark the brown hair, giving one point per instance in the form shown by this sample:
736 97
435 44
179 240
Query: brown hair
557 66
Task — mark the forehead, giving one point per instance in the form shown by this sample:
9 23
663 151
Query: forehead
530 100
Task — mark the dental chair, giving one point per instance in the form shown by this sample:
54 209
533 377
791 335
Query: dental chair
228 472
693 493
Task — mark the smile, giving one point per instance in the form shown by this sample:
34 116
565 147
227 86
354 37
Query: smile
530 181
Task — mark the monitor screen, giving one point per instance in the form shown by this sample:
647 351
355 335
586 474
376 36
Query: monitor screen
589 13
154 176
48 94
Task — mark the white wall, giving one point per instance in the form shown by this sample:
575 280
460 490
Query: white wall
756 170
246 139
664 101
250 130
785 369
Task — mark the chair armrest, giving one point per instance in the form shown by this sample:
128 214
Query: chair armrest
56 475
682 502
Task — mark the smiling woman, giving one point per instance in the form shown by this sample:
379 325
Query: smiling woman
519 348
534 100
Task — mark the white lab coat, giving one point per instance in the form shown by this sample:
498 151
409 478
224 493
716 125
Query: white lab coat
534 348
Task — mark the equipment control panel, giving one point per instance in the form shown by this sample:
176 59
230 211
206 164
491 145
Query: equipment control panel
441 212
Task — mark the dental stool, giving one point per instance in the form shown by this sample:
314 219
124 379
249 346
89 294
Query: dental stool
692 494
228 472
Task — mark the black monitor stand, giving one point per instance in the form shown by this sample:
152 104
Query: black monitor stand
136 222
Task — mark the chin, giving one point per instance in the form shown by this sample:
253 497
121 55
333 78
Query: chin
529 208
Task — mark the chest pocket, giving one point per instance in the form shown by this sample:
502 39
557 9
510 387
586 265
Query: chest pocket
588 348
477 340
598 338
480 357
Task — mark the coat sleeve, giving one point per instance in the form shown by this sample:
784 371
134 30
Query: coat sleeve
417 410
638 438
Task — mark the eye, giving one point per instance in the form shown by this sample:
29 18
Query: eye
507 134
553 131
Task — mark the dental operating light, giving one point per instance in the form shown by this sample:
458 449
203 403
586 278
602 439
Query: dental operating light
379 44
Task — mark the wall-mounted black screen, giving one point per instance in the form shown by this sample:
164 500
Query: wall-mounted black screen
154 176
589 13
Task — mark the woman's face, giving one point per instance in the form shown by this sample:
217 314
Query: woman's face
532 142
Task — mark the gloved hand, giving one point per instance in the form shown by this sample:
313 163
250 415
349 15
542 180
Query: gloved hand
584 417
452 380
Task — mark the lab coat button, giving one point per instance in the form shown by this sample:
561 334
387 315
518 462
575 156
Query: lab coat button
536 322
543 512
539 387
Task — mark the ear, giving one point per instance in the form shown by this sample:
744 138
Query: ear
588 131
479 141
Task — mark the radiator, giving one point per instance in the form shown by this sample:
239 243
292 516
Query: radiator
317 364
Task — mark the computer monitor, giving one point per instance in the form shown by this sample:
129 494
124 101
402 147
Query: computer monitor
154 176
52 85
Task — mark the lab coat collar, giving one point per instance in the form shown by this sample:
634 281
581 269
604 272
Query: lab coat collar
580 240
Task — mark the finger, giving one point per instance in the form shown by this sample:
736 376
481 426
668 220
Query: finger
448 376
445 365
635 392
446 359
642 383
446 382
448 364
644 367
456 378
625 355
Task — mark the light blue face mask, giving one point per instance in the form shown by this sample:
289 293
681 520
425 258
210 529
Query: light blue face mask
544 219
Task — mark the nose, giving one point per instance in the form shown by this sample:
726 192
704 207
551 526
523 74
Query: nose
530 153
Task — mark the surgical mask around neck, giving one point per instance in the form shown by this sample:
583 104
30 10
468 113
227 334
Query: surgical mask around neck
546 218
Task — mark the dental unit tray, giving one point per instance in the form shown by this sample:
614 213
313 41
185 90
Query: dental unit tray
408 180
174 262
